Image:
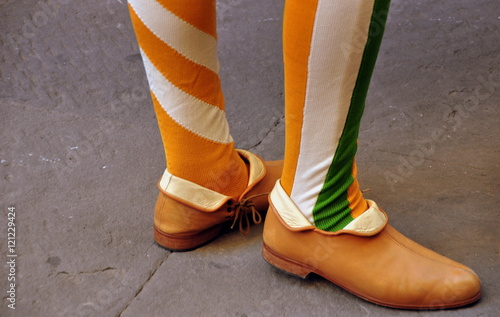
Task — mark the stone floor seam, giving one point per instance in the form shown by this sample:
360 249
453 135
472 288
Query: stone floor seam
144 284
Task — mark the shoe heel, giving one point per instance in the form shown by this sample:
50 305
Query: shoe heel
182 243
287 265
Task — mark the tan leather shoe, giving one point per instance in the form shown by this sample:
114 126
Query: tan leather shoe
369 258
188 215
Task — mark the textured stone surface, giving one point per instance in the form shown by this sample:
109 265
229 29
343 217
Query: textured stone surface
80 155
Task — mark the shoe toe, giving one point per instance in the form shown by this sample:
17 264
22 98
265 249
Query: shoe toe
460 287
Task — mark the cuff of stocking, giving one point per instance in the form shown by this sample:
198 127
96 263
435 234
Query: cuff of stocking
371 222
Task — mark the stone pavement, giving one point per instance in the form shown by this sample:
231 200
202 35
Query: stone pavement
80 155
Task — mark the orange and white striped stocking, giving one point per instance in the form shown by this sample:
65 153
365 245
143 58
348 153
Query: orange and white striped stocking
178 44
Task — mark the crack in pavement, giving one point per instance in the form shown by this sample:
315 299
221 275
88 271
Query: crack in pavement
151 274
85 272
271 130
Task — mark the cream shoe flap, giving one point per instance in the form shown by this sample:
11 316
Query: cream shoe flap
191 193
368 223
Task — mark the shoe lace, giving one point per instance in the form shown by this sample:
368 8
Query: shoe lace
241 214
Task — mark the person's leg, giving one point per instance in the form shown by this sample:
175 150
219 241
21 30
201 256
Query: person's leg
178 44
326 83
319 221
206 178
